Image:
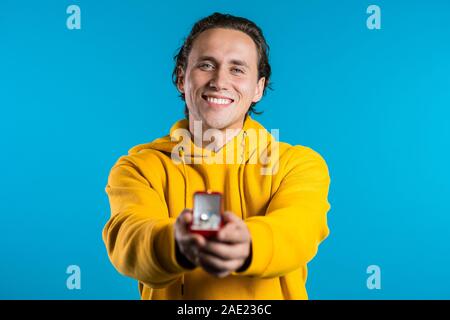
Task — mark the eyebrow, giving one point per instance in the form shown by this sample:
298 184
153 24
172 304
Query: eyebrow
236 62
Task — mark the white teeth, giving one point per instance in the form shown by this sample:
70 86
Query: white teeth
219 101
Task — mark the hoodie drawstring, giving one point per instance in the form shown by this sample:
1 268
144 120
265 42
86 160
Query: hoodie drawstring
185 176
241 174
186 184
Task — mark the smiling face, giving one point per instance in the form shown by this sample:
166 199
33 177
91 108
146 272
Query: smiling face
221 79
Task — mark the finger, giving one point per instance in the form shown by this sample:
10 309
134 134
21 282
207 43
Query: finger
229 216
197 240
183 218
233 234
211 261
210 269
228 226
191 240
186 217
232 222
223 250
214 272
183 221
191 245
222 274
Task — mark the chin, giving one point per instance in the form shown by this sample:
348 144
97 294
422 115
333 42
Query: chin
217 123
217 120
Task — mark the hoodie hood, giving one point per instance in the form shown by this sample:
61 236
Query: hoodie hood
247 146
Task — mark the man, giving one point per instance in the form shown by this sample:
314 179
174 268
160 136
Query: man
274 194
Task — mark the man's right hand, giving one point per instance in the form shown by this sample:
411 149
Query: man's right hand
187 243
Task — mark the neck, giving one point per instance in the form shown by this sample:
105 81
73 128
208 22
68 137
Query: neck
212 138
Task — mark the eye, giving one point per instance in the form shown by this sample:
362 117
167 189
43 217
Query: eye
206 66
237 70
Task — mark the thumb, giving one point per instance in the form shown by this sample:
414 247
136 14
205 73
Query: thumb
185 218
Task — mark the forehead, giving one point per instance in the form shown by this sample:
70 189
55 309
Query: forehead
225 44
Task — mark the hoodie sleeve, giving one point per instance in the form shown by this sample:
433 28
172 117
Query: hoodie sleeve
139 235
295 223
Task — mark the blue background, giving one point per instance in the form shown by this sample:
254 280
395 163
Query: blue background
374 103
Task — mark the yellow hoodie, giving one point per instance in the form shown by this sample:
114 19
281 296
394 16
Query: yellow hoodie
283 202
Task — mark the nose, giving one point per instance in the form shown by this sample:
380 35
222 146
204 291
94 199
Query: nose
219 80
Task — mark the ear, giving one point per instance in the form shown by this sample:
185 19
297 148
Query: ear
180 82
259 90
